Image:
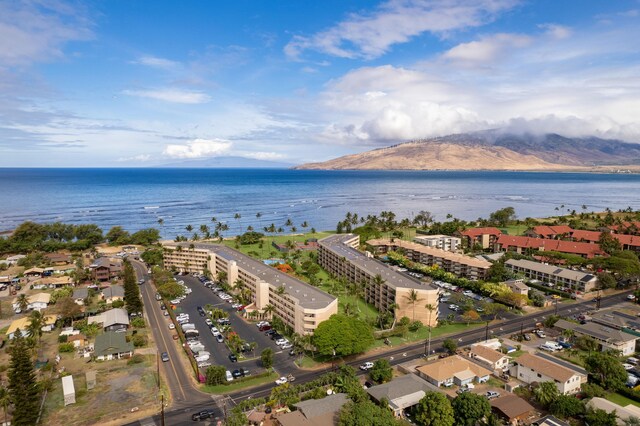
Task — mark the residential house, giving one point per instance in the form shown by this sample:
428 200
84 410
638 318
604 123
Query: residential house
401 393
517 286
24 322
112 345
80 295
554 232
622 412
112 293
522 245
112 320
530 368
575 280
550 420
512 408
104 269
315 412
78 340
490 358
37 302
13 260
453 370
54 282
33 273
629 228
442 242
484 238
58 258
606 337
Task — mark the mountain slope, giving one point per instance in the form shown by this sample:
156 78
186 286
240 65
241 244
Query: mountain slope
491 151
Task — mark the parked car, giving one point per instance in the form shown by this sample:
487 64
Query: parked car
245 372
233 358
281 381
171 326
492 394
236 373
202 415
219 338
229 376
366 366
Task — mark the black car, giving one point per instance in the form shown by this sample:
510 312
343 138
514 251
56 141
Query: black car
202 415
270 332
233 358
165 357
276 336
236 374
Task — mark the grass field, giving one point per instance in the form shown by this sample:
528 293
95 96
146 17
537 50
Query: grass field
423 333
622 400
267 251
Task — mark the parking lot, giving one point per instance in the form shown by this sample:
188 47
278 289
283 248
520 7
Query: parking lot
219 352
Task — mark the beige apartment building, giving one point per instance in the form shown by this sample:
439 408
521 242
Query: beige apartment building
458 264
339 256
300 305
442 242
575 280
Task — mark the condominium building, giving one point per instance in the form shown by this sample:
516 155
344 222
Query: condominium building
576 280
442 242
483 238
537 368
301 306
383 287
458 264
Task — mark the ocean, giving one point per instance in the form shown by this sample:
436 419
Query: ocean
137 198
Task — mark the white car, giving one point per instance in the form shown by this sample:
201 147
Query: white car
171 326
453 307
262 323
287 346
215 331
281 342
366 366
175 301
281 381
631 297
208 322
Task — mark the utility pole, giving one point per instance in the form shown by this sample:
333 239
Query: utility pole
556 304
162 412
522 329
158 367
486 333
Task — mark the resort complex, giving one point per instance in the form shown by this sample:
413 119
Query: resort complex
458 264
300 305
384 288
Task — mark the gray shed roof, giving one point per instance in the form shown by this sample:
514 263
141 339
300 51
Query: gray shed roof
111 317
399 387
318 407
113 291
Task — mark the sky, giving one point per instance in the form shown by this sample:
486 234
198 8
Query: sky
142 83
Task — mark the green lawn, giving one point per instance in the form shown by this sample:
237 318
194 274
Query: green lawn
423 334
516 354
514 229
234 386
621 400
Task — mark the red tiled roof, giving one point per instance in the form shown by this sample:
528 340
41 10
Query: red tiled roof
552 230
628 240
579 235
571 247
476 232
624 226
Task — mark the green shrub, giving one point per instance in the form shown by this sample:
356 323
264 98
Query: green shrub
66 347
415 325
138 323
139 340
63 339
136 359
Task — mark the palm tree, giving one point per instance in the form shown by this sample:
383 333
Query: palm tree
36 322
413 297
23 302
546 393
269 310
237 217
189 228
430 308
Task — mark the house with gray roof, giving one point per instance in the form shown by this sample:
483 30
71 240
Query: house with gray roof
606 337
112 345
113 293
80 294
402 392
315 412
112 320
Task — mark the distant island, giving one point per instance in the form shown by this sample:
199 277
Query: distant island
494 150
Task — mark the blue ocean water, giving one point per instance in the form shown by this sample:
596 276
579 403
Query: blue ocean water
137 198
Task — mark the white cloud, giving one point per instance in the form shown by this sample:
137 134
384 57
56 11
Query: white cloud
171 95
156 62
141 158
486 50
556 31
37 31
198 148
397 21
270 156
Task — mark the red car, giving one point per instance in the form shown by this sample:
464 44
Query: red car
265 328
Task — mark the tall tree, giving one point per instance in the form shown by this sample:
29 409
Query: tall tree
23 386
132 299
413 297
470 408
434 409
607 370
546 393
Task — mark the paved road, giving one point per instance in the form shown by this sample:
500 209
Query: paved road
178 379
395 356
